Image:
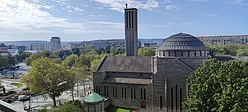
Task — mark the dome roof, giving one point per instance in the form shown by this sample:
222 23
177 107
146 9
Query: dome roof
93 98
182 41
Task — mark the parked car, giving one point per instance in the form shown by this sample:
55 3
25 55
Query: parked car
23 97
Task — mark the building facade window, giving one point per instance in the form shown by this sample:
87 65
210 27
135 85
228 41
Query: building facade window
161 105
144 94
113 91
171 98
176 95
131 93
122 92
125 93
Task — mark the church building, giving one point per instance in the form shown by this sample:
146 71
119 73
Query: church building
157 83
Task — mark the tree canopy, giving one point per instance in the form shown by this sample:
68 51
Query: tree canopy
146 51
47 77
218 86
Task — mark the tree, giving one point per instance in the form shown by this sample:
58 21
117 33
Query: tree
37 55
218 86
146 51
21 56
47 77
70 60
81 74
11 60
76 51
3 62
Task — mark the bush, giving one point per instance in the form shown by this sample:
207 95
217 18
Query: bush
26 88
75 102
10 92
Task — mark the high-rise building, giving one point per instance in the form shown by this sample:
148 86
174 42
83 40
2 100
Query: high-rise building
40 46
55 43
131 31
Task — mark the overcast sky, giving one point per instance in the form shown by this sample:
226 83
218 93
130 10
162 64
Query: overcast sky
78 20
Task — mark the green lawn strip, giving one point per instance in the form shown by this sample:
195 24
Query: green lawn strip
117 109
17 84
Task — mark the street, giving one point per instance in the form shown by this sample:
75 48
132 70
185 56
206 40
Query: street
38 102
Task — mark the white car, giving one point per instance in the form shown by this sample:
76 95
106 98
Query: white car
23 97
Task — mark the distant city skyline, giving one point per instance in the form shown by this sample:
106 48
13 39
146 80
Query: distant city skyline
79 20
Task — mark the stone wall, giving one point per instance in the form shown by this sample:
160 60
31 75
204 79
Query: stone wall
169 84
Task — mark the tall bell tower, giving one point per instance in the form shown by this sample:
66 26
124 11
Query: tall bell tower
131 31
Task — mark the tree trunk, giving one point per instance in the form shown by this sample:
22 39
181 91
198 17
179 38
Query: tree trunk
84 89
72 95
54 101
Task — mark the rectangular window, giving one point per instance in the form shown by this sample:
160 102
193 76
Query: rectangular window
188 54
134 94
181 53
126 20
131 93
104 91
121 92
171 98
99 89
161 105
107 91
116 92
113 91
141 97
144 94
200 53
169 53
180 98
129 19
176 95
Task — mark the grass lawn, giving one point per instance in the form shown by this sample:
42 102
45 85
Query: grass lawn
17 84
117 109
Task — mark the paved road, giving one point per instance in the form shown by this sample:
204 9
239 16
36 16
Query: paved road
38 102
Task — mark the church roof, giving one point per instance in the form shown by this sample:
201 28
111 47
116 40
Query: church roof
182 41
126 64
93 98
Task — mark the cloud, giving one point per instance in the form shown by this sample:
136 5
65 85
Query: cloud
23 16
214 15
168 24
97 27
168 1
233 2
74 9
119 5
172 7
187 23
198 0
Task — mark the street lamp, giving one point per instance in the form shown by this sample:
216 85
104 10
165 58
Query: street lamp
77 89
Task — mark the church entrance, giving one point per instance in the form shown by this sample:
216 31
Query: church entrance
143 104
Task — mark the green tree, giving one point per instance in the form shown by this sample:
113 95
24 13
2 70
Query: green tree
146 51
81 74
11 60
70 60
37 55
21 56
57 60
218 86
3 61
47 77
